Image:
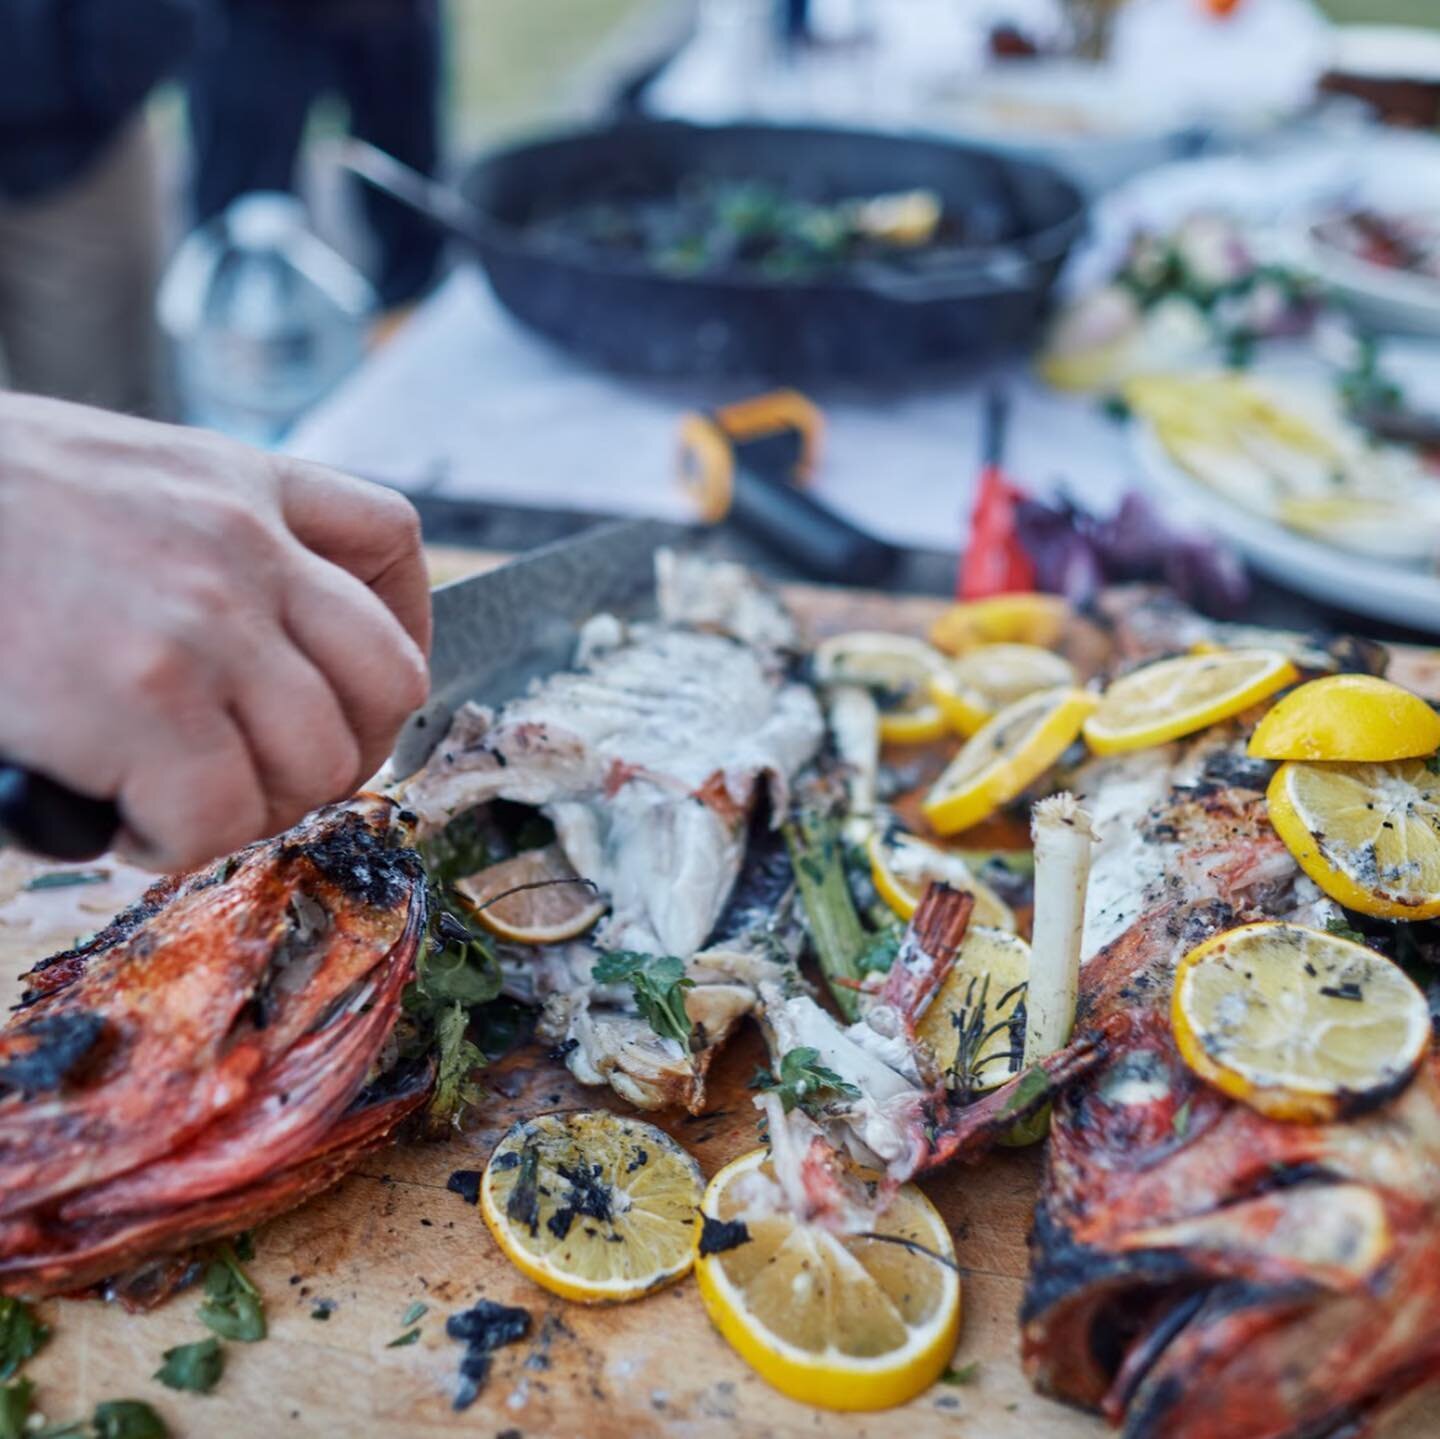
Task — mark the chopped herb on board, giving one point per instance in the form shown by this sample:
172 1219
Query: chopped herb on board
127 1419
232 1306
66 879
410 1336
965 1374
417 1311
21 1335
195 1368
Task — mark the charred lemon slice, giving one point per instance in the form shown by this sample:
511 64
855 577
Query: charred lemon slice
593 1206
967 1025
897 670
1367 834
971 689
1297 1023
1008 753
902 867
1022 619
534 898
839 1321
1175 697
1347 717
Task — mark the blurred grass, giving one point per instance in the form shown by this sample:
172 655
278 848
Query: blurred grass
510 59
1383 12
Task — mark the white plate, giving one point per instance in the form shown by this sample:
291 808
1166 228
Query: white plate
1380 589
1389 300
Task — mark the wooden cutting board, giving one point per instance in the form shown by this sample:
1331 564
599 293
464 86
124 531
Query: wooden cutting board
391 1234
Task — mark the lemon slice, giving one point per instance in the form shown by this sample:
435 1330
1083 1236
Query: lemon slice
592 1206
1170 698
535 898
981 992
1026 619
972 688
1297 1023
1010 752
1347 717
1367 834
838 1321
897 670
903 866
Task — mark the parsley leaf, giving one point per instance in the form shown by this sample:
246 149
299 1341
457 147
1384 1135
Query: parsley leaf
410 1336
15 1402
658 983
965 1374
1345 930
803 1080
194 1367
21 1335
233 1307
127 1419
458 1059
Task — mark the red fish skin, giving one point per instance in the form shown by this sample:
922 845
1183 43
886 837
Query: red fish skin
338 913
107 1250
1283 1343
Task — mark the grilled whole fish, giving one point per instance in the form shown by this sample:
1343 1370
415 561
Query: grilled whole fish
207 1061
1197 1270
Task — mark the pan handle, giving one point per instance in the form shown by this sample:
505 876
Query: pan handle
48 818
439 203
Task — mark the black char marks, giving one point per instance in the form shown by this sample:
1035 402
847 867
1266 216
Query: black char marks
360 862
483 1328
466 1183
61 1042
718 1235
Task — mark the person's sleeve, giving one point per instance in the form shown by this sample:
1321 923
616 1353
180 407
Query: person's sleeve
98 58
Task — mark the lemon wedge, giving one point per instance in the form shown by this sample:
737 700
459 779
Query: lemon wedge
972 688
1299 1024
1026 619
1367 834
593 1206
838 1321
534 898
903 866
897 670
1007 754
1175 697
1347 717
975 1005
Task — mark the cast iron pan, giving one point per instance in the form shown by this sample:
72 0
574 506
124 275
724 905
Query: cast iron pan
616 311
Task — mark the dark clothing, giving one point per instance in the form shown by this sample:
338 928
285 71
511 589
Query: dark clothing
263 63
72 72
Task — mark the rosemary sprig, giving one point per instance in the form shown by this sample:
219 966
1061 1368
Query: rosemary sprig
973 1034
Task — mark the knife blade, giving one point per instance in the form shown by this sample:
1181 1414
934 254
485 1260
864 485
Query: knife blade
496 631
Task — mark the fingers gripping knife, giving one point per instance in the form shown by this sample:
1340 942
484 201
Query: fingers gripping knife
494 632
748 462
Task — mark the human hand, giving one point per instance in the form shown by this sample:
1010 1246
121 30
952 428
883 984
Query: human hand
218 639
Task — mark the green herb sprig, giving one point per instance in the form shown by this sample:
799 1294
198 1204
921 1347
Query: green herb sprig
805 1082
658 983
232 1307
194 1368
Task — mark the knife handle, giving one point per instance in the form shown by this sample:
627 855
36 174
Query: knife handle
47 817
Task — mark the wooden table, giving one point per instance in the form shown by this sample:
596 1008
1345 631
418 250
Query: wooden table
391 1234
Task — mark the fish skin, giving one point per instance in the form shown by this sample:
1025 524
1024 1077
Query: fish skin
278 973
1199 1271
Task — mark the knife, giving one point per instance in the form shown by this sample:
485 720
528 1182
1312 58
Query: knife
493 633
496 631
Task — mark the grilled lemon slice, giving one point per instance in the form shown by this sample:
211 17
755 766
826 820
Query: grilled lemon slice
1024 619
534 898
903 866
1347 717
980 995
971 689
839 1321
1297 1023
593 1206
1170 698
1367 834
897 669
1010 752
